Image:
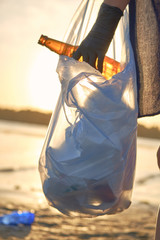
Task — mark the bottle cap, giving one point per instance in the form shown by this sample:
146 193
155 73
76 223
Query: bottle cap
42 39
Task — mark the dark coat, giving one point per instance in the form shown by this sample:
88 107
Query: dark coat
145 39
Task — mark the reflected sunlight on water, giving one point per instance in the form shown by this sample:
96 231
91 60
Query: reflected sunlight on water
20 145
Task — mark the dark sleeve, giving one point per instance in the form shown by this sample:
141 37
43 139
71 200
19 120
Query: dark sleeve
145 35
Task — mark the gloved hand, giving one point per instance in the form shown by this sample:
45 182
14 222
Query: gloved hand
97 42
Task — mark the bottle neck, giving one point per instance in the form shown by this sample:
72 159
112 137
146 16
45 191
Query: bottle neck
56 46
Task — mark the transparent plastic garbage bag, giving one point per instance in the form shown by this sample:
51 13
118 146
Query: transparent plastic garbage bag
87 163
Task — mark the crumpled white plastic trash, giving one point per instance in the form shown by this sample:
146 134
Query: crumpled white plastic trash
87 163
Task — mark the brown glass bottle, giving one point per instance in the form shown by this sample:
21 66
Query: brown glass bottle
110 66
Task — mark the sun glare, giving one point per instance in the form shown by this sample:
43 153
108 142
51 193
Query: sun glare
44 86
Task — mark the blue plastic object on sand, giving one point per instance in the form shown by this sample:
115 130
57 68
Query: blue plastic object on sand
17 217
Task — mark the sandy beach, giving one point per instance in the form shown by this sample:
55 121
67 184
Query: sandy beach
20 189
138 222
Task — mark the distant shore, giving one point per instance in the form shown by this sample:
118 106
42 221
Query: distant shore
26 116
36 117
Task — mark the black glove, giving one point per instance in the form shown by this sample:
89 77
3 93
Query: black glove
97 42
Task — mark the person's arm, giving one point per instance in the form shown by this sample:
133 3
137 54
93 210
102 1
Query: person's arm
97 42
117 3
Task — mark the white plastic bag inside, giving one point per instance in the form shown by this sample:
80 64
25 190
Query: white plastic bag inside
88 159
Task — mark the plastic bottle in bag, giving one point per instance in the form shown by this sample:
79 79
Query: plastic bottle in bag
110 66
17 217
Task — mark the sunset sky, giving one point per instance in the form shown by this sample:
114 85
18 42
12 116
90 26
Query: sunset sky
28 77
28 70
